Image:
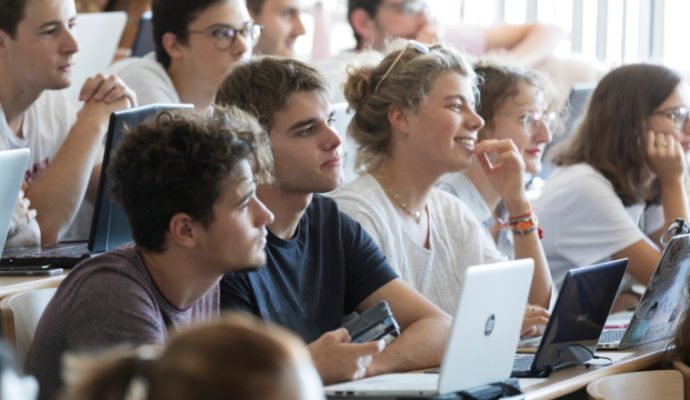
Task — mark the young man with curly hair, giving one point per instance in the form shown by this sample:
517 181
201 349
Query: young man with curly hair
187 184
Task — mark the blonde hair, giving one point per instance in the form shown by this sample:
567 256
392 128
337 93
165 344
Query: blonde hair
406 83
237 357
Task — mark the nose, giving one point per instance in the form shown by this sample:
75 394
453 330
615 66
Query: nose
263 216
240 47
473 121
70 45
543 133
332 139
298 26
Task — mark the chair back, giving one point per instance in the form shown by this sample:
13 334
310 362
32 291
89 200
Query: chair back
666 385
685 371
19 316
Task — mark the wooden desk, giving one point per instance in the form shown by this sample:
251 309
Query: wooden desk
572 379
14 284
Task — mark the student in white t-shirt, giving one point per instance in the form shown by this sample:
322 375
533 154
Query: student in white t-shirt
414 121
626 156
36 50
197 42
515 104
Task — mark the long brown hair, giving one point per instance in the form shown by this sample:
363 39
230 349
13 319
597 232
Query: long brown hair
611 137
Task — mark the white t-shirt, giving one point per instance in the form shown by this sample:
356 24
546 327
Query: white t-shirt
46 125
459 185
583 219
456 238
147 78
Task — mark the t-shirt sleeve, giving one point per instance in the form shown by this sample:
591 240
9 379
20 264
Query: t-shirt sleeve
591 222
110 309
236 293
367 267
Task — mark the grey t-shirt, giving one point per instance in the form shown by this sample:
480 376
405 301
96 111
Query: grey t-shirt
106 301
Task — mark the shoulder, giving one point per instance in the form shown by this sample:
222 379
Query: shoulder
117 270
137 65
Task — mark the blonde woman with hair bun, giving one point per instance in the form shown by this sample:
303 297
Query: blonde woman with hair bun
414 121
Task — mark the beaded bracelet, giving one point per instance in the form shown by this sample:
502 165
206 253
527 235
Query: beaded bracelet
525 224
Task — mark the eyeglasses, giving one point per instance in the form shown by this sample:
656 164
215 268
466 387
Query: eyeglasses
411 44
409 7
224 36
531 121
679 116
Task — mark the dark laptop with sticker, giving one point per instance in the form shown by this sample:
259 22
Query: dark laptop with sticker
109 225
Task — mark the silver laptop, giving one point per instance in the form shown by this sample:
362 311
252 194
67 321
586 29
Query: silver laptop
482 340
13 165
662 304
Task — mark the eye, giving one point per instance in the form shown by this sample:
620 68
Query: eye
223 33
49 31
306 131
330 121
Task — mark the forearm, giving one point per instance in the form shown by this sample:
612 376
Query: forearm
538 44
529 246
675 205
58 191
419 346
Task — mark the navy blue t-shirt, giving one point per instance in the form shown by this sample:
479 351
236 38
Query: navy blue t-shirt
312 280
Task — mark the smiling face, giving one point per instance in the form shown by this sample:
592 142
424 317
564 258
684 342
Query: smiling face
515 120
306 148
40 54
236 238
282 25
662 121
444 130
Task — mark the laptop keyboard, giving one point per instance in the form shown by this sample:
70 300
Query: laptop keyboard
611 336
523 362
76 251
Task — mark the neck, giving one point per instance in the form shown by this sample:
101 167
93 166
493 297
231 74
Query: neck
476 174
178 275
410 185
190 89
15 98
287 209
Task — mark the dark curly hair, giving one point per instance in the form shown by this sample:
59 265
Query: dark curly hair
177 162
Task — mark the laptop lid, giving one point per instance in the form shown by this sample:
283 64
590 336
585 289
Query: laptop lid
109 225
578 318
143 41
482 341
657 314
98 35
13 165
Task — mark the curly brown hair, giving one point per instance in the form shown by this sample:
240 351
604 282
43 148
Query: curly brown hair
177 162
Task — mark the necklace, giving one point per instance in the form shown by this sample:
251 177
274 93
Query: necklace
415 214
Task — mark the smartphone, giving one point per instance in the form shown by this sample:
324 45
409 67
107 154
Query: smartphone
30 271
373 324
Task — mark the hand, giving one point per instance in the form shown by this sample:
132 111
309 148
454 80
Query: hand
107 88
337 360
534 320
505 169
665 156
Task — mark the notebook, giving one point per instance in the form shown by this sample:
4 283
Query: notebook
13 165
577 320
481 343
664 301
109 225
98 35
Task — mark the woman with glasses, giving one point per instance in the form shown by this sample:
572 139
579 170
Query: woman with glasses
197 42
626 158
515 104
414 120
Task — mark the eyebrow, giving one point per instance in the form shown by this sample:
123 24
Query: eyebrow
56 22
246 197
302 124
461 98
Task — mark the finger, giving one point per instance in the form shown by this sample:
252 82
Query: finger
340 335
90 86
115 94
364 362
651 139
106 87
497 146
529 331
369 348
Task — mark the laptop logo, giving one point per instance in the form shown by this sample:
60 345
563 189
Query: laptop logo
489 325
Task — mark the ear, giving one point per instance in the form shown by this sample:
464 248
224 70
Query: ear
363 25
4 42
398 117
183 230
171 45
